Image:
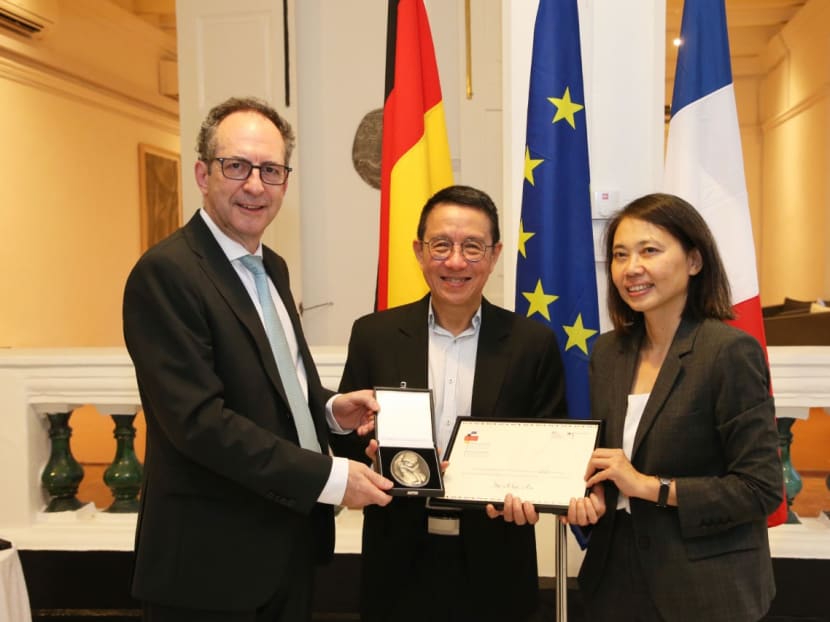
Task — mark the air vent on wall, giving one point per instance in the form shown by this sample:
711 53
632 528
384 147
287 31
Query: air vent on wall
30 18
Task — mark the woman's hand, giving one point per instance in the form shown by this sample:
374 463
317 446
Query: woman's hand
612 464
586 510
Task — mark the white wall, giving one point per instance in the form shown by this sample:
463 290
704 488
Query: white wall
235 49
342 79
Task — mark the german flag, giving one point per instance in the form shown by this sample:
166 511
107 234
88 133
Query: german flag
415 160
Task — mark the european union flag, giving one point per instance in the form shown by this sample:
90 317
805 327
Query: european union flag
555 273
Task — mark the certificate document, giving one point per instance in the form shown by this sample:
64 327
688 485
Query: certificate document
540 460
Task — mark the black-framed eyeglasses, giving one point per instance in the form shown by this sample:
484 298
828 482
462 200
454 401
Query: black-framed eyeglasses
239 169
440 249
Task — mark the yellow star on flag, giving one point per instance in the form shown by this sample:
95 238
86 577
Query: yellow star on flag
565 108
524 236
539 301
578 335
530 164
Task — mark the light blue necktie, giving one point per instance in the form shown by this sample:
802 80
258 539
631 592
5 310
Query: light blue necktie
282 354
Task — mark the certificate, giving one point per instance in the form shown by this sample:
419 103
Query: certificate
540 460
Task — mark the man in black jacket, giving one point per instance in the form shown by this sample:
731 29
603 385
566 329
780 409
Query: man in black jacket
480 360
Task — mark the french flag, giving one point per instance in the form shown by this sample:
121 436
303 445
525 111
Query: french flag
704 162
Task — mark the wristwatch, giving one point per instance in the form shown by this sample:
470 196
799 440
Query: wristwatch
663 495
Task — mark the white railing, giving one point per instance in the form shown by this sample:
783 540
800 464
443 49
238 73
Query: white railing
34 383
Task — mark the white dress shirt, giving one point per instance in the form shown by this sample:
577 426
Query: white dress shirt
335 487
633 414
452 368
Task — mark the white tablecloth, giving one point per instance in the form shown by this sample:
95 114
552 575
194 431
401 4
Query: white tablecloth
14 600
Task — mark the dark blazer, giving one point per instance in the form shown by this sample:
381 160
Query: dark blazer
709 423
227 490
518 373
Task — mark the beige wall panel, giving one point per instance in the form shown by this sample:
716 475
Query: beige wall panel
773 91
795 115
69 212
746 99
807 41
752 147
794 259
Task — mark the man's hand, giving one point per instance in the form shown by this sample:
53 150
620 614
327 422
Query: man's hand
372 451
515 511
365 487
356 411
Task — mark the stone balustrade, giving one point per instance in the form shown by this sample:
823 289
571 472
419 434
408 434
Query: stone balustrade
39 389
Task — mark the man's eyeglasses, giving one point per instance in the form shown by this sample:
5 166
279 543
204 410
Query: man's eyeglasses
239 169
440 249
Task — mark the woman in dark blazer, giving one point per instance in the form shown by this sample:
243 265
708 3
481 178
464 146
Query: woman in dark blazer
690 457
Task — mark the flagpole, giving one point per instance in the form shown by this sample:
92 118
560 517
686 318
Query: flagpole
561 571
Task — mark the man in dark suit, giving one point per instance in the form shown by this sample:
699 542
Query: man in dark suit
479 360
234 511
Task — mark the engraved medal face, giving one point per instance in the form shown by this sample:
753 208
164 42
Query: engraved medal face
409 469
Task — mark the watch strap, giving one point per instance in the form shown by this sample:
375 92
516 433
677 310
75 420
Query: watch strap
663 493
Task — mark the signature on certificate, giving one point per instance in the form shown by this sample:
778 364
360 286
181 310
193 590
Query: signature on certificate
513 486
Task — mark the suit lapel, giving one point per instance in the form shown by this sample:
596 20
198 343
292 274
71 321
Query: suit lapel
222 274
411 355
669 371
623 377
491 361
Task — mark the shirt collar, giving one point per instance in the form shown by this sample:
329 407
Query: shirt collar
232 249
476 321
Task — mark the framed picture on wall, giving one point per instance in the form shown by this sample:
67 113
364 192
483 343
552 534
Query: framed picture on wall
160 193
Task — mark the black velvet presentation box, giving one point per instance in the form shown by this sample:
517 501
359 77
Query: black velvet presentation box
406 442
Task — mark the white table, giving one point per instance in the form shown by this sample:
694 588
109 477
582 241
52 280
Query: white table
14 600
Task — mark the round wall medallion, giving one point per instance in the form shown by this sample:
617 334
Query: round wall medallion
366 148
